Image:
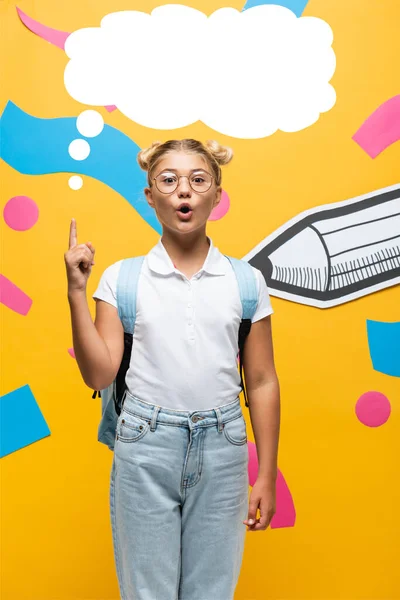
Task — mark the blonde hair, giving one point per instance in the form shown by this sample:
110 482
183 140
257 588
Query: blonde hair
214 154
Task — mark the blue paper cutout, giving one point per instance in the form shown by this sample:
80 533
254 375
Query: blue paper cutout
21 421
296 6
384 346
36 146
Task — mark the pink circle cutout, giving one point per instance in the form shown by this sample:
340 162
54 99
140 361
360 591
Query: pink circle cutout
222 208
373 409
21 213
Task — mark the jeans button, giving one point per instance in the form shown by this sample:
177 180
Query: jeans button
195 418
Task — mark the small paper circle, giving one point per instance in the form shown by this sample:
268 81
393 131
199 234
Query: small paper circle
79 149
90 123
75 182
21 213
373 409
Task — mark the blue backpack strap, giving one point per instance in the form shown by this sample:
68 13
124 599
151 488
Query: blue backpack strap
126 291
127 284
247 282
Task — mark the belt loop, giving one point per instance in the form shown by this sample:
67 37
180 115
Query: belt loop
219 419
154 418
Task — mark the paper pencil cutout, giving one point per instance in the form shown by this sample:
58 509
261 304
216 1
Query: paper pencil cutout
334 253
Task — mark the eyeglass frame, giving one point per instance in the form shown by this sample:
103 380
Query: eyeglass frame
187 177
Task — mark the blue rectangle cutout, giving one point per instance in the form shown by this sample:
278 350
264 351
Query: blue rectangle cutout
21 421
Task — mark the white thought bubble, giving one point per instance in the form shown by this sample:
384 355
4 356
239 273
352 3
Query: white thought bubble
245 74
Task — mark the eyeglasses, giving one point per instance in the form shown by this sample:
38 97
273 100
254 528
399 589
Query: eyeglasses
167 182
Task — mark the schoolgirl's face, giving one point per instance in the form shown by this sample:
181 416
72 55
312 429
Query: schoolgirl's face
183 192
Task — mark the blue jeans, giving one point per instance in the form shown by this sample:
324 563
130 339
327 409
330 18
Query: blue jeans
178 496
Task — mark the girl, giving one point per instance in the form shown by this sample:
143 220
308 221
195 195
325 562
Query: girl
179 481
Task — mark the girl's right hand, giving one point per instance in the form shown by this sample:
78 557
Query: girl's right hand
78 261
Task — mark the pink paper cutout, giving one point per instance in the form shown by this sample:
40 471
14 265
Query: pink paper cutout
373 409
110 107
71 352
14 298
54 36
381 129
285 515
21 213
222 208
253 462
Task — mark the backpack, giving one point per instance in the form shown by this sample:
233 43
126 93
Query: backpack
113 396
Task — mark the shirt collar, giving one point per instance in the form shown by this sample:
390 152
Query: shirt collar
159 261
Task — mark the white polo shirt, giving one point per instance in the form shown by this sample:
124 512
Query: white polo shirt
185 341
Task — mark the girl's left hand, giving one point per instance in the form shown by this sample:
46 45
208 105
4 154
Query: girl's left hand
262 497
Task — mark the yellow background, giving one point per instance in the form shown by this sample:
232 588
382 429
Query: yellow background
344 476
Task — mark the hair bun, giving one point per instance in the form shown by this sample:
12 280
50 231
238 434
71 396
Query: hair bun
222 154
144 156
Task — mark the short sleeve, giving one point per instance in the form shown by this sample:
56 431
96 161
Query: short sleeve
107 287
264 307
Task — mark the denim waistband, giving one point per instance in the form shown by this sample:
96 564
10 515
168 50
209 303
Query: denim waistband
191 419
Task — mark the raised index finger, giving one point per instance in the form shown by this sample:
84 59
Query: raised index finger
72 234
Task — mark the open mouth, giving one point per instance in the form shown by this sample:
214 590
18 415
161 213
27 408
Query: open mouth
185 209
184 212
